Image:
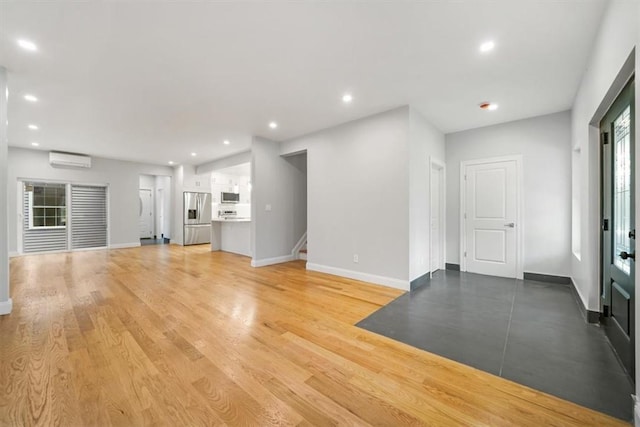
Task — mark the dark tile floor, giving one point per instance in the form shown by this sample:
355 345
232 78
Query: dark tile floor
161 241
526 331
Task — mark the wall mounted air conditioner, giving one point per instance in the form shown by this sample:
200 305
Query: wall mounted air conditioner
69 160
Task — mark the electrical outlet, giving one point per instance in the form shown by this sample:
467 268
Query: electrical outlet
355 258
267 208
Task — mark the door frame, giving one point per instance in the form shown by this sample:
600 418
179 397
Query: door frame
519 209
441 168
606 249
159 226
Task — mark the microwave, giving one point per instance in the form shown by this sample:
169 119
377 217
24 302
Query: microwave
229 197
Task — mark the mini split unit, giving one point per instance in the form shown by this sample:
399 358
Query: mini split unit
69 160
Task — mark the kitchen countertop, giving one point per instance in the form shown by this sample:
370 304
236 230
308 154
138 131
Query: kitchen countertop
231 220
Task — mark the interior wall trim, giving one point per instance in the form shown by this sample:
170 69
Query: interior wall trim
588 315
419 281
6 307
452 267
270 261
549 278
124 245
357 275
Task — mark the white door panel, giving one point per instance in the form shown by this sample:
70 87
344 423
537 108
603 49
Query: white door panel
491 202
489 245
146 215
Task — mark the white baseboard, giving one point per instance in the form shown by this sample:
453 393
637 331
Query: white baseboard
271 261
6 307
124 245
302 255
357 275
636 410
14 254
102 248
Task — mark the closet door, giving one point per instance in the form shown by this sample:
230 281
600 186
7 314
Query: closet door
88 217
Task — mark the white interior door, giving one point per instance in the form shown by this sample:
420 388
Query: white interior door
436 220
490 218
146 215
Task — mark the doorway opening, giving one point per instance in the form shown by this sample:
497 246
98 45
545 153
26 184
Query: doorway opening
437 216
154 210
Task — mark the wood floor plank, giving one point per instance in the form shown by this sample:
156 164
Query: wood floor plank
169 335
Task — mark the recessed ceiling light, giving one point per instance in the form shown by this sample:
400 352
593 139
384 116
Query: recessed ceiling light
273 125
27 45
487 46
490 106
226 142
35 144
30 98
347 98
170 162
33 127
194 154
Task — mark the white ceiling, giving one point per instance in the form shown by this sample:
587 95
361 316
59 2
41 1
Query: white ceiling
154 82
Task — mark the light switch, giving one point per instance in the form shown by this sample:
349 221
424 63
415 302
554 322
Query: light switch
267 208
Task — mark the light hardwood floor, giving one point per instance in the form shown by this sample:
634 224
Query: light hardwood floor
166 335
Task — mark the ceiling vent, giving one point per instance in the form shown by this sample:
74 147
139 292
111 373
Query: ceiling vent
69 160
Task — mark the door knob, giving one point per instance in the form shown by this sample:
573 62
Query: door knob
625 255
510 225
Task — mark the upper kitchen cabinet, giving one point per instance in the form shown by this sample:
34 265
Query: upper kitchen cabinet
235 179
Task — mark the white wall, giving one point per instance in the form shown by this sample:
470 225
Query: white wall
282 185
225 162
358 197
616 40
122 178
5 301
147 182
544 143
425 142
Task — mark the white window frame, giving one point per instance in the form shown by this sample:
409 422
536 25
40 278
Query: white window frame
48 227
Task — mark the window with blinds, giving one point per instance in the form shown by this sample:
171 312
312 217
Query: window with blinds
55 222
88 217
44 203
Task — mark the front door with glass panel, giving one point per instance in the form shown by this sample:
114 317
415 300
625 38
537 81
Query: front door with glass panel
618 226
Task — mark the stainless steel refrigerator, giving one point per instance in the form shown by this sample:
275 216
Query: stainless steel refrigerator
197 218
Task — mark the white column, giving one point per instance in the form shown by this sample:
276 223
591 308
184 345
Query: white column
5 301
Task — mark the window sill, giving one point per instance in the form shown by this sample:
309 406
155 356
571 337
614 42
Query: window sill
49 228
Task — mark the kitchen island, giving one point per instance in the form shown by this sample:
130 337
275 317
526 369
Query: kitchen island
231 235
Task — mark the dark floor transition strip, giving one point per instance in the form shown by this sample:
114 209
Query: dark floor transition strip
526 331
